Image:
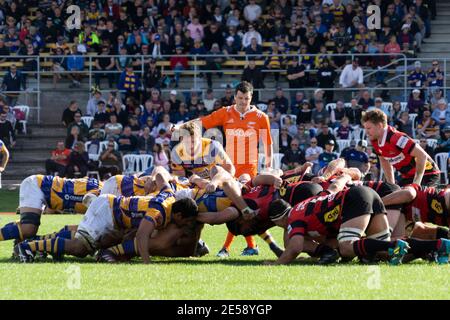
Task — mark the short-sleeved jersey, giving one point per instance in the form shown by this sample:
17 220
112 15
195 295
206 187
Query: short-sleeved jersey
67 194
242 134
128 212
396 148
211 154
428 206
130 186
260 198
317 216
211 202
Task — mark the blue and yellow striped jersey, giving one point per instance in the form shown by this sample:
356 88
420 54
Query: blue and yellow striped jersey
2 145
128 212
211 154
211 202
130 186
67 194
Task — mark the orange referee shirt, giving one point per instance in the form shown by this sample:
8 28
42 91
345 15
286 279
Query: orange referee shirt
242 133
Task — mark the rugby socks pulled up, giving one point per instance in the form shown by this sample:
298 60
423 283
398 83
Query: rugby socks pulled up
369 247
422 247
126 248
53 246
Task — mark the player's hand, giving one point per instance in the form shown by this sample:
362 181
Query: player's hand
2 169
277 182
249 214
317 179
210 187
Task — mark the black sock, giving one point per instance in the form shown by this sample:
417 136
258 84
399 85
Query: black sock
422 247
368 247
442 232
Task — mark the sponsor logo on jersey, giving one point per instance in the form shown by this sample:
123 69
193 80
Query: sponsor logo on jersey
395 160
75 198
436 206
332 215
241 132
402 141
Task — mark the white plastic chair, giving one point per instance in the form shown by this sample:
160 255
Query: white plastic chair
441 160
261 161
87 120
262 106
92 156
348 105
343 143
133 163
330 106
104 146
26 111
276 160
292 116
387 106
403 106
412 117
432 143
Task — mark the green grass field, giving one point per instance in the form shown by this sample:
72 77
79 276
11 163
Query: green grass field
211 278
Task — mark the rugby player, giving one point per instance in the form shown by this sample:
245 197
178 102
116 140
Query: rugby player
396 150
52 193
345 213
5 156
244 126
109 217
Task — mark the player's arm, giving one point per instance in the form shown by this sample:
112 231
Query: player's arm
220 217
199 181
146 227
161 181
388 170
233 192
267 141
405 195
218 176
222 158
339 183
5 158
293 249
421 160
268 179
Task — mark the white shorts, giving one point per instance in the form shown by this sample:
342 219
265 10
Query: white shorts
97 222
30 195
110 187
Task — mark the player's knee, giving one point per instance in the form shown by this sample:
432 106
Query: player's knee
29 222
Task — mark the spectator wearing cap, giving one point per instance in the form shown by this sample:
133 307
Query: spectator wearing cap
357 157
327 155
324 136
100 115
443 144
178 63
442 113
326 76
174 102
415 102
293 156
352 76
229 48
319 114
379 105
129 82
303 136
417 78
158 47
213 63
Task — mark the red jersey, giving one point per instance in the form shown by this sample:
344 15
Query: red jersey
261 197
428 206
317 216
396 148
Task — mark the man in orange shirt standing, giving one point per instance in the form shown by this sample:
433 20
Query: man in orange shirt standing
244 126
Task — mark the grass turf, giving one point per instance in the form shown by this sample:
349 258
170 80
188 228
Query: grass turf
211 278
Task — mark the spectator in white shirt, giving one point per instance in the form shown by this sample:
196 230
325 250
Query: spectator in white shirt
312 155
251 33
252 11
352 75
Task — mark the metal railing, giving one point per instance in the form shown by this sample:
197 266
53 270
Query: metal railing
399 64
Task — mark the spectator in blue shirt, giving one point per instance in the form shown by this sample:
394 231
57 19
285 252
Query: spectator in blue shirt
75 62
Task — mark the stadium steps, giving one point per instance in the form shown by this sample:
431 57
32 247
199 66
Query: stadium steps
438 44
31 151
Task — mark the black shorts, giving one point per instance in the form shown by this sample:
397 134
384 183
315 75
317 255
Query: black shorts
298 192
385 189
242 227
360 201
429 180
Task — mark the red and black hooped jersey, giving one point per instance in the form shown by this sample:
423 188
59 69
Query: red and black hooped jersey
292 176
428 206
317 216
396 148
261 197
